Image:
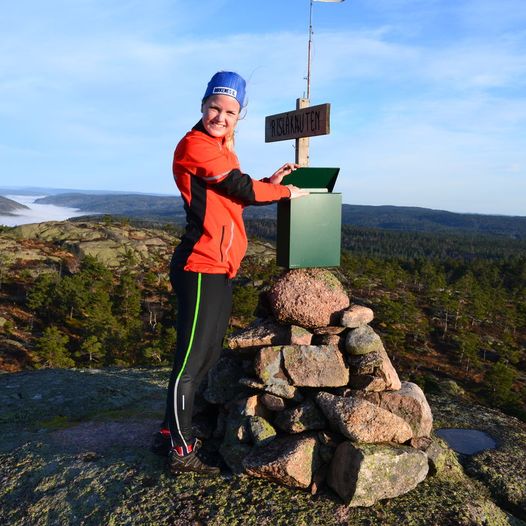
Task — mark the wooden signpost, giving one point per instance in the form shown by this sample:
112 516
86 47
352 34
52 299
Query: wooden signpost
300 124
304 122
309 228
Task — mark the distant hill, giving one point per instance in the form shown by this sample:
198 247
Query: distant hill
8 206
170 208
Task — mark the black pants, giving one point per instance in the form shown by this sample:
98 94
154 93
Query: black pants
204 303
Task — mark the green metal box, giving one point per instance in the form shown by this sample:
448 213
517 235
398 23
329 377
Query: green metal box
309 228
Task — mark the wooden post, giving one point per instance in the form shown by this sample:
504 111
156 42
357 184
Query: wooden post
302 144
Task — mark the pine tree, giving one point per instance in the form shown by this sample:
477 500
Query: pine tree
499 380
51 349
92 351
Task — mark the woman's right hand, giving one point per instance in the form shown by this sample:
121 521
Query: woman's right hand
296 192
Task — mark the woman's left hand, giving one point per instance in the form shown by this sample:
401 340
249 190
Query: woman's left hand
279 174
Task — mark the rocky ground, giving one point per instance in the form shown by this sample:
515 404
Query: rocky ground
74 450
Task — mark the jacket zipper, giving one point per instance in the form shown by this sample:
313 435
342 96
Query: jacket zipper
221 243
231 239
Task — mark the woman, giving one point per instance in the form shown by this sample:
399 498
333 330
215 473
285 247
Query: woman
214 191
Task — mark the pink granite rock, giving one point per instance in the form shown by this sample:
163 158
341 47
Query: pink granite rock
356 315
408 403
286 460
315 366
260 333
362 421
299 336
308 297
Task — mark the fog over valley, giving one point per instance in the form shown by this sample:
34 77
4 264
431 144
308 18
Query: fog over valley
36 213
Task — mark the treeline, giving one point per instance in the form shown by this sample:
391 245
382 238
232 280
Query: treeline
446 308
452 318
411 244
98 318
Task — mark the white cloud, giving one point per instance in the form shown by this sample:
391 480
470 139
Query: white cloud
103 92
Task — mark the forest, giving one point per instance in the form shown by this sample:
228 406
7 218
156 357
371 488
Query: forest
448 307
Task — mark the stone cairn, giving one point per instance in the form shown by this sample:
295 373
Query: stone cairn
309 396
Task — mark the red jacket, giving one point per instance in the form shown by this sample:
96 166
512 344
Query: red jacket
215 191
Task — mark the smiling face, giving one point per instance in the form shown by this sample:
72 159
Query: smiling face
220 115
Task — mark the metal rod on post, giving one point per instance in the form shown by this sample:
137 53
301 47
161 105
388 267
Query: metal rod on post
302 144
309 51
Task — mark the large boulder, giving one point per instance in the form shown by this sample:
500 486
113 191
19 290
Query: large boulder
308 297
408 403
361 421
286 460
315 366
362 474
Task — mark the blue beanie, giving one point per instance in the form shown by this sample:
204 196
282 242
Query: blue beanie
227 83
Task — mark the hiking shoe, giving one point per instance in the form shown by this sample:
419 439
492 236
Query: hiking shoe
161 443
190 462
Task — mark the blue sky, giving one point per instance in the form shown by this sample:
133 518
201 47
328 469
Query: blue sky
428 103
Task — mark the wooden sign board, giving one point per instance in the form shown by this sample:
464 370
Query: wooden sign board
305 122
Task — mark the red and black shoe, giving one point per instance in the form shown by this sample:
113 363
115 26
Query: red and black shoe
178 462
161 443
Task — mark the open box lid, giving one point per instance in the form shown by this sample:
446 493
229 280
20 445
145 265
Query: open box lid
314 179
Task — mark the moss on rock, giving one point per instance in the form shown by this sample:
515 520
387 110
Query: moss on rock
43 482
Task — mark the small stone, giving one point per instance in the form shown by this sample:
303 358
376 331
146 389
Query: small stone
326 339
272 402
262 431
330 329
233 455
299 336
268 366
363 340
373 372
288 392
304 417
253 406
356 316
367 383
319 478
